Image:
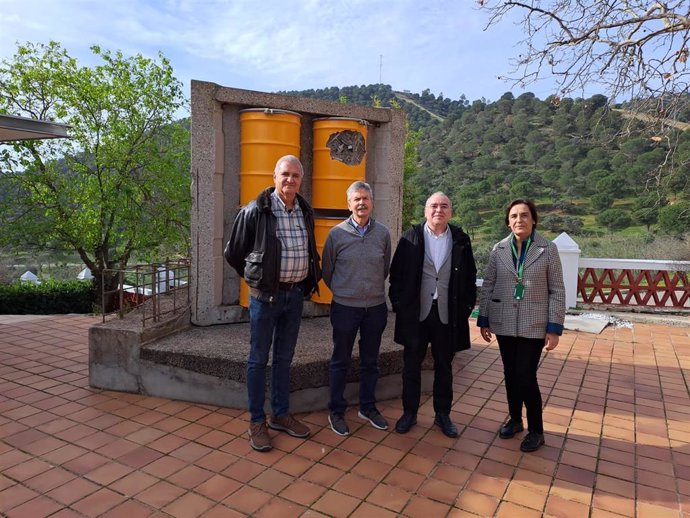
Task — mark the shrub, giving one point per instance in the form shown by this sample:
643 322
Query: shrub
48 298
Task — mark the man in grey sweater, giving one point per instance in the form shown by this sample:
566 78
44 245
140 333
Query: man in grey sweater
355 263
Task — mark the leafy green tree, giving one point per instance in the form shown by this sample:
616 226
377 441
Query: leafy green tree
646 216
532 152
522 189
558 223
614 219
497 228
678 181
569 151
561 123
675 219
120 187
468 216
601 201
613 185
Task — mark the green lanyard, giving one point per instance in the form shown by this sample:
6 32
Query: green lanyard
519 291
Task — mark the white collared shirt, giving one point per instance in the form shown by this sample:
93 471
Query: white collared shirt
436 247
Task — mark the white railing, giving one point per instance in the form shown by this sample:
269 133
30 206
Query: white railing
634 264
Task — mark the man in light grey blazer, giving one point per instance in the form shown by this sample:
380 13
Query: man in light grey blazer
432 291
523 304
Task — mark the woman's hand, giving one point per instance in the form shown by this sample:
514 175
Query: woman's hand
486 333
551 341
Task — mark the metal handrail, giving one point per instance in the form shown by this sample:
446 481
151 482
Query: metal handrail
145 288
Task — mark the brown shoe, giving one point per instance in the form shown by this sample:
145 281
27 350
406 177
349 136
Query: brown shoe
258 436
287 423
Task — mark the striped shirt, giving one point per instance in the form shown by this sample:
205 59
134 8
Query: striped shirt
291 231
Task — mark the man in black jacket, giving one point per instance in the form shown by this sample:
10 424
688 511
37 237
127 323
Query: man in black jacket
272 247
432 291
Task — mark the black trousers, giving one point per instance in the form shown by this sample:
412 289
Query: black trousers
433 331
520 362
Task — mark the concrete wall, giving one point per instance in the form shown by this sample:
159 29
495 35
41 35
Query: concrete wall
215 187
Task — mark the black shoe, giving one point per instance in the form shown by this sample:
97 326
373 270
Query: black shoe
447 427
407 421
510 428
532 442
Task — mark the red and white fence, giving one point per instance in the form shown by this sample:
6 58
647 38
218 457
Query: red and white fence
622 282
625 282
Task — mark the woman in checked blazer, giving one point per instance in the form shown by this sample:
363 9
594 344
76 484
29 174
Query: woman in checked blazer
523 303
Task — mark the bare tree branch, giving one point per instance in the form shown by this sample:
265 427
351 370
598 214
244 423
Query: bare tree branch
632 49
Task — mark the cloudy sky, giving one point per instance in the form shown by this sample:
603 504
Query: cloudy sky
271 45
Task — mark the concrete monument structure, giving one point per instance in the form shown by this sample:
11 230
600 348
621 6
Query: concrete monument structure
216 180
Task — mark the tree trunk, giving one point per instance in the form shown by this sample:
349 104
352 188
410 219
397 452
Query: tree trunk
106 292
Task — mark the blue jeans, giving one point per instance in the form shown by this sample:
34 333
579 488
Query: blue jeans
346 322
277 323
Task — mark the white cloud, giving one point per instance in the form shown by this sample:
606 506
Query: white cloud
283 44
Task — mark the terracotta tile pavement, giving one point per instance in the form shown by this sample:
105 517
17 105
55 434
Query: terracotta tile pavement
617 419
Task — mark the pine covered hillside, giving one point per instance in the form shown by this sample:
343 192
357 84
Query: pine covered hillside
591 167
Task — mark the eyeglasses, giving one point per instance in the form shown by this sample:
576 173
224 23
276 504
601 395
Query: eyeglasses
435 206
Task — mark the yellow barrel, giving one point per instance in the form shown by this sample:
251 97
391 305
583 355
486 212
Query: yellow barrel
339 158
265 136
244 294
321 228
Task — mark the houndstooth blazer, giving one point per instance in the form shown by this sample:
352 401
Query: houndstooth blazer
544 297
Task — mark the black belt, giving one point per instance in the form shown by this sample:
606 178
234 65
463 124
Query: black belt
287 286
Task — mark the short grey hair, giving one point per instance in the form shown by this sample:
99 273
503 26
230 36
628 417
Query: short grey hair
439 193
289 158
359 185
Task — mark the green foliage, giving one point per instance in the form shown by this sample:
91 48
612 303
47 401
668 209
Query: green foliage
675 219
601 201
557 224
49 297
614 219
468 217
497 228
522 189
121 185
646 216
643 245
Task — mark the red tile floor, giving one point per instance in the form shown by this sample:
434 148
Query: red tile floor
617 423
